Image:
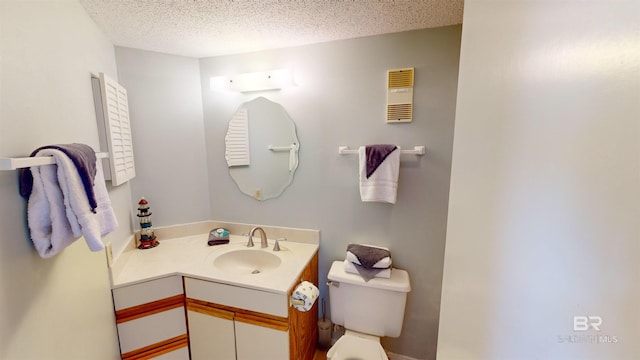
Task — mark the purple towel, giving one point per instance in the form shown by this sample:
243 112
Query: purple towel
368 255
82 156
376 155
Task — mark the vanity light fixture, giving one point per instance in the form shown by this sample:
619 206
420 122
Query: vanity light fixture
255 81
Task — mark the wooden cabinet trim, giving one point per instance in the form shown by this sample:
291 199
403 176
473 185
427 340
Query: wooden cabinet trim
231 313
263 322
303 333
158 348
235 310
154 307
194 305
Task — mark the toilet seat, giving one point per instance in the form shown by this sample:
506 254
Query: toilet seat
353 347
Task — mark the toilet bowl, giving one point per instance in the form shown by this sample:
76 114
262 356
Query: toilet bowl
357 346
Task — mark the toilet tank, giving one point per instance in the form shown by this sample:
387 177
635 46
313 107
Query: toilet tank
375 307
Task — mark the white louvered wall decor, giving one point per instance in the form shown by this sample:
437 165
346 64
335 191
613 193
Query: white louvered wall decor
237 152
115 108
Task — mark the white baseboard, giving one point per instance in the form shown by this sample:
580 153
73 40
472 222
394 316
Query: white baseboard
393 356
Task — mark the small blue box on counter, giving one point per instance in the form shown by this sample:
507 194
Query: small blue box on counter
218 236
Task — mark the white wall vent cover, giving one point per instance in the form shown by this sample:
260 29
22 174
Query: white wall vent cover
117 129
400 95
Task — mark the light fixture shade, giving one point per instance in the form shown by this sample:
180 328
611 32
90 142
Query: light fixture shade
256 81
219 83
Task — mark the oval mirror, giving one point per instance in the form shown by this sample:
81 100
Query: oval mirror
261 148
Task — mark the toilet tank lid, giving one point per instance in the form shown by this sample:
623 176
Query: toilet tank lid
399 280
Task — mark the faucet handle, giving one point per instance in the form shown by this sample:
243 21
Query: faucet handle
276 247
250 242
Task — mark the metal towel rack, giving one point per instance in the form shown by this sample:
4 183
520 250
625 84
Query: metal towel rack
417 150
25 162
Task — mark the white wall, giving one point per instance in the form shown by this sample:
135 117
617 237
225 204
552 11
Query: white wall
57 308
341 100
545 185
165 103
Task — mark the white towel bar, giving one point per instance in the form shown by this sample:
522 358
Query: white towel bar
25 162
293 151
279 148
417 150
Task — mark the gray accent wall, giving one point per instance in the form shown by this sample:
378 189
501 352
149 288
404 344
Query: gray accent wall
165 105
340 99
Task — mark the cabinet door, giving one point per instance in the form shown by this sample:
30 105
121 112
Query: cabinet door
150 319
152 330
211 333
264 341
147 292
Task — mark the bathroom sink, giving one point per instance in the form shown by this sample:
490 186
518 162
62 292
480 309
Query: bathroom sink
247 261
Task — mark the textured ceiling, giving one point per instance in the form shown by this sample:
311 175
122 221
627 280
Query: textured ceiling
201 28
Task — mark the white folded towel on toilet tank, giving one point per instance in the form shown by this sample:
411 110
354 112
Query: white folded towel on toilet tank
352 268
369 256
368 261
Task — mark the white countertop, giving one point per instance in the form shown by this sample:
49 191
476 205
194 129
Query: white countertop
191 256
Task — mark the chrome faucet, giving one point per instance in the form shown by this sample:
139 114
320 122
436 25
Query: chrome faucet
263 237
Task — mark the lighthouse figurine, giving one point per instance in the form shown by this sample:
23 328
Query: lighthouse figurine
147 237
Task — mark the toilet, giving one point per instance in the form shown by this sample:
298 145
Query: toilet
367 310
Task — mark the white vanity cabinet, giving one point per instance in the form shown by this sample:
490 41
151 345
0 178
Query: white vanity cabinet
211 332
150 318
261 340
221 330
233 322
217 334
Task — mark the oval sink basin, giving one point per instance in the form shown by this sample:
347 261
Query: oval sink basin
247 261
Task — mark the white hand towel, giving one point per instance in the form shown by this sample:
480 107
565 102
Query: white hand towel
58 210
382 185
48 224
